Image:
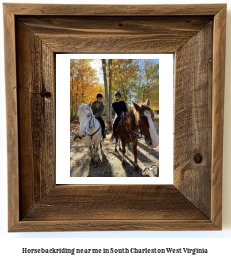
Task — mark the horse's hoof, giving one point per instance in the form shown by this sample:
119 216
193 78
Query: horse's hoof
116 150
92 162
123 163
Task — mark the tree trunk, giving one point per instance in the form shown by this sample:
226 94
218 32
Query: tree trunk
72 101
106 91
110 87
77 88
82 89
147 88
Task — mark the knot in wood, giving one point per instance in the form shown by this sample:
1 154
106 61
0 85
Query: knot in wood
45 94
198 158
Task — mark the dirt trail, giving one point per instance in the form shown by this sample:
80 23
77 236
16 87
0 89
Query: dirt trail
110 162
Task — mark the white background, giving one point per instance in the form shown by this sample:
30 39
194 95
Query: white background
63 125
217 242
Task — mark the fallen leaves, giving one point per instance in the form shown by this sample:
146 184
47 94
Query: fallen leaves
110 161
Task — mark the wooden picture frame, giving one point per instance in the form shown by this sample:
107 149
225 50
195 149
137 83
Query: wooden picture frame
33 34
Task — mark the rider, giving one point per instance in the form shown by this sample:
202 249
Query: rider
97 108
119 108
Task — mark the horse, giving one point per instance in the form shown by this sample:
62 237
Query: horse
91 129
119 141
142 118
153 168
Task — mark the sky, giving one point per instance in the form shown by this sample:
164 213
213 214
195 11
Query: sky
97 65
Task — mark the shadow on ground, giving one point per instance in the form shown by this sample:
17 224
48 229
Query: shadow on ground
110 164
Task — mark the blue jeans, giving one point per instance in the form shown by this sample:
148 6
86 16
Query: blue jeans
115 124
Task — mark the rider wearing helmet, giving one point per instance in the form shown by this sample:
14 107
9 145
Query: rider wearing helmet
97 108
119 108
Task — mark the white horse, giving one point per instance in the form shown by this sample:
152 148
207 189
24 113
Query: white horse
91 129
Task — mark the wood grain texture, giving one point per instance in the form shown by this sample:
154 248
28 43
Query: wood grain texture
35 66
115 34
195 202
114 10
218 114
193 125
114 225
114 207
114 202
11 117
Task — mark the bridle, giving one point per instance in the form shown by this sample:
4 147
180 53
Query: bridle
129 130
93 125
134 118
91 135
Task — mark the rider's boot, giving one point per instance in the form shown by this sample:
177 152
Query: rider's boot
103 132
115 138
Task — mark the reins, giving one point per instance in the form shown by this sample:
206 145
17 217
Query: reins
93 125
129 130
91 135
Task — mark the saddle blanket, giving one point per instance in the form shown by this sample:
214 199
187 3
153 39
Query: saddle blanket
120 123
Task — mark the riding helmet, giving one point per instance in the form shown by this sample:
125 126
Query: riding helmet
99 95
118 93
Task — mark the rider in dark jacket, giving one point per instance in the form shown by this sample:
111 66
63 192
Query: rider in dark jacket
119 108
97 108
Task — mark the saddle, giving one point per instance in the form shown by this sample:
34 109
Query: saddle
119 124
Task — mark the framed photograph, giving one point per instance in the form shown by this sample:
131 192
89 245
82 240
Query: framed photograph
35 36
139 78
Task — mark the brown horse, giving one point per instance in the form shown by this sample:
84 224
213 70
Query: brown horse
141 117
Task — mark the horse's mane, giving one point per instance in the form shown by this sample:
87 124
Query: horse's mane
145 107
85 106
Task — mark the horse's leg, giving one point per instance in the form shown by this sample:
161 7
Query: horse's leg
91 153
116 147
97 143
123 152
135 155
100 143
101 147
96 155
119 146
95 151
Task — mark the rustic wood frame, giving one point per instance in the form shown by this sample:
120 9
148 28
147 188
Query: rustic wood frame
33 34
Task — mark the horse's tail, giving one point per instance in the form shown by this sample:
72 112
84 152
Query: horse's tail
111 138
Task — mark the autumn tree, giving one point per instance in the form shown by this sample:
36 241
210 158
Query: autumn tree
124 73
136 79
84 83
147 84
104 67
110 88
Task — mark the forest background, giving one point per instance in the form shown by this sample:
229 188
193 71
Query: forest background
136 79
